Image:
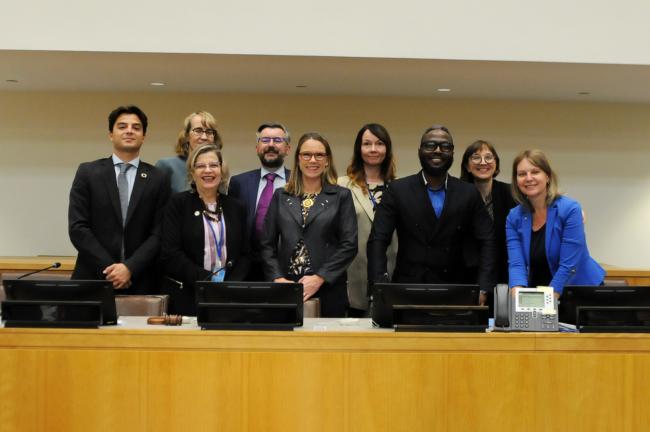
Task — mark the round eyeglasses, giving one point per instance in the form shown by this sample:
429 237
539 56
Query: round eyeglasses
477 158
200 131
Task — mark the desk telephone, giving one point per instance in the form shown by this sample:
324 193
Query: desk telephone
529 309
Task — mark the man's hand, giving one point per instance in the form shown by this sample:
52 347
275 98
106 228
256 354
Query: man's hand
119 274
310 284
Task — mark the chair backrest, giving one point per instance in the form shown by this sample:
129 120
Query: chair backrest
616 282
311 308
141 305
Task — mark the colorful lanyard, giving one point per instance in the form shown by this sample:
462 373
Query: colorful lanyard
371 195
218 244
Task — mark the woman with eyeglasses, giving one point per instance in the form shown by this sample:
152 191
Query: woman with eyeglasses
480 166
199 128
310 230
203 231
545 232
371 170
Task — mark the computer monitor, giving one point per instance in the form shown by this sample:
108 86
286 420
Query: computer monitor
427 307
249 305
58 303
606 308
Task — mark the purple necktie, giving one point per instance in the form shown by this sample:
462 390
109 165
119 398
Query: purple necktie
263 204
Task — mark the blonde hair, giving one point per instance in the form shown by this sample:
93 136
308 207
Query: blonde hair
191 164
538 159
182 147
294 185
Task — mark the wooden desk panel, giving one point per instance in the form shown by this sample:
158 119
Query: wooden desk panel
121 379
25 264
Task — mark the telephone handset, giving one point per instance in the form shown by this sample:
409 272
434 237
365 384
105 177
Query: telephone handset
528 309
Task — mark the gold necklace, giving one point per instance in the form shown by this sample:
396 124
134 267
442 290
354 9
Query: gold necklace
308 200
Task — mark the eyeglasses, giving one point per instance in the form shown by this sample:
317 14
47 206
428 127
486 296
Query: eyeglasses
307 156
202 166
444 146
274 140
477 158
200 131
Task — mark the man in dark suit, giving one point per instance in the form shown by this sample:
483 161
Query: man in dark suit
444 233
255 188
116 206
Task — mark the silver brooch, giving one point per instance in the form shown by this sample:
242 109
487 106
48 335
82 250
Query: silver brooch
143 175
197 213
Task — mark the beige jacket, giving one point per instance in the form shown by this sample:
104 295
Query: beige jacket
358 270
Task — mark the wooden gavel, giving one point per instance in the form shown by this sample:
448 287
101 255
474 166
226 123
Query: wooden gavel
170 320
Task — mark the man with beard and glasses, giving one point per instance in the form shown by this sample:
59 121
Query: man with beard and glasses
255 188
444 232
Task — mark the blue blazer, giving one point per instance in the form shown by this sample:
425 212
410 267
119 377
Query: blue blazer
566 246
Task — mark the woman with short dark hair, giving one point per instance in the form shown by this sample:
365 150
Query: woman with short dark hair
480 165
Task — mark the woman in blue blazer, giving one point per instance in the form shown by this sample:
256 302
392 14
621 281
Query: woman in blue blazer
545 232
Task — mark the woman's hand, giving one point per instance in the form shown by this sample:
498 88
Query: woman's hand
282 280
311 284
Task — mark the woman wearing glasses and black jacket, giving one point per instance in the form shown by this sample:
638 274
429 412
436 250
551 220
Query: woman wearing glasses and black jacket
310 230
204 232
480 166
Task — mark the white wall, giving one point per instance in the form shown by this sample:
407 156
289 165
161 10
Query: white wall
600 151
589 31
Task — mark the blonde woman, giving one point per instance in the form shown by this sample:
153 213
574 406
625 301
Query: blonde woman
199 128
310 231
545 232
203 231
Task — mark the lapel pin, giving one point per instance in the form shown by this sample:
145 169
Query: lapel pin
143 175
197 213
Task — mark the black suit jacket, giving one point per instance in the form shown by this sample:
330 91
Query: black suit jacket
183 246
502 202
330 234
95 223
457 248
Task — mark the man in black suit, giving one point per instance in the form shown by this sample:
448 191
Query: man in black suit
255 188
444 233
116 206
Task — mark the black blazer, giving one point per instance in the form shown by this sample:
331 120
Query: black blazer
457 248
502 202
330 234
95 223
183 246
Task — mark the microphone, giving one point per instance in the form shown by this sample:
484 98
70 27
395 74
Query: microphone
228 266
53 266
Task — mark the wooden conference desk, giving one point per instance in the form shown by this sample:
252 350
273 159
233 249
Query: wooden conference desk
331 378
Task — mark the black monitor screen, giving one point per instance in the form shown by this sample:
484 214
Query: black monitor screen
249 304
390 299
65 290
600 296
